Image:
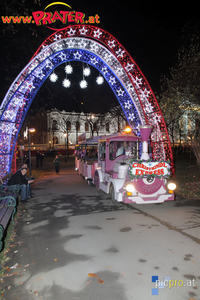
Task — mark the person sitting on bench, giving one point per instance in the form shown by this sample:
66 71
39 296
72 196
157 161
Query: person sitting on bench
19 179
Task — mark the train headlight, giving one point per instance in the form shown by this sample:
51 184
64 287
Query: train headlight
171 186
130 187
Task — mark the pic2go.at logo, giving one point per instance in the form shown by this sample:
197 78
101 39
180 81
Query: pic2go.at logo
47 17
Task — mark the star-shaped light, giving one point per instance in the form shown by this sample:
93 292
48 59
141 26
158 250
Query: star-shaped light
97 33
130 87
120 53
131 116
94 61
71 31
119 71
77 55
94 47
108 57
120 92
62 56
58 47
111 44
70 43
104 70
82 44
112 80
144 94
148 107
137 81
40 75
57 37
129 67
156 118
127 105
83 31
29 85
49 65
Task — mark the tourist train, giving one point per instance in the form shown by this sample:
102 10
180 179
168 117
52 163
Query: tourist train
120 165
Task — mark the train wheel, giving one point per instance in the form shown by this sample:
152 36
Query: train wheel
112 194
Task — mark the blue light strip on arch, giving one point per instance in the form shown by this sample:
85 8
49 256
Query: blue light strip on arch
15 111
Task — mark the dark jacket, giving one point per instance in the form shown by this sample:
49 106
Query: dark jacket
17 178
57 161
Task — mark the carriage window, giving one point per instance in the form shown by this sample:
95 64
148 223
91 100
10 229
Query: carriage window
102 150
92 153
122 148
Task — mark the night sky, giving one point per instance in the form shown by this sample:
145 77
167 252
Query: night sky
151 33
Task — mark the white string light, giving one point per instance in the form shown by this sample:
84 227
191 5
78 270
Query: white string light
83 84
68 69
87 71
53 77
100 79
66 83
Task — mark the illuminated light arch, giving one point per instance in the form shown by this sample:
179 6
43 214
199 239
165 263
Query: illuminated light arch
101 50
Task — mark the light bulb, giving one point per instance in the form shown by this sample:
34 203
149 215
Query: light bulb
100 80
86 71
53 77
83 84
66 83
68 69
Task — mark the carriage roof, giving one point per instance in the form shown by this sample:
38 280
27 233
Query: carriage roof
115 136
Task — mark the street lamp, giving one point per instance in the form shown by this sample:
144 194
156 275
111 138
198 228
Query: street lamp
91 121
128 130
65 135
30 130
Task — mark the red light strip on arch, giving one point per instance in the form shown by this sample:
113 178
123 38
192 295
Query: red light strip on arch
121 64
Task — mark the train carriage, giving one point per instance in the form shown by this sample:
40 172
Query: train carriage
124 169
86 158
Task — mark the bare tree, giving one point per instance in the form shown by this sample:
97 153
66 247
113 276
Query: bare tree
116 112
95 121
180 91
63 126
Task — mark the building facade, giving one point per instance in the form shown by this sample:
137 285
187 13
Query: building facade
58 127
62 125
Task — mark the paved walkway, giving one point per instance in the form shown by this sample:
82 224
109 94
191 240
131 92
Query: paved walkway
39 258
73 243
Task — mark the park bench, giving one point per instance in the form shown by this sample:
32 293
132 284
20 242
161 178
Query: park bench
8 203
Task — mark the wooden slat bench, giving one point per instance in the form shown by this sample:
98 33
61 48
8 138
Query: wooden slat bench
8 203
